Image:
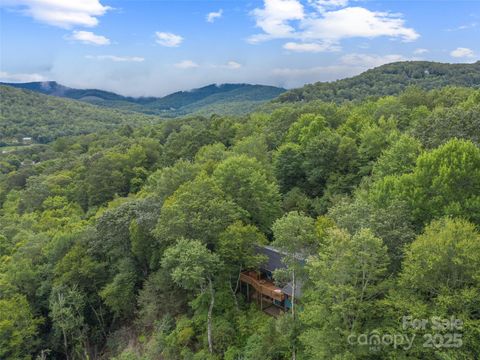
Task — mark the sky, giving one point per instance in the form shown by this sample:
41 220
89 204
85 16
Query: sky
155 47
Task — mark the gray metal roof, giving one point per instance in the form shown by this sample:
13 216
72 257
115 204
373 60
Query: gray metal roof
274 258
274 262
287 289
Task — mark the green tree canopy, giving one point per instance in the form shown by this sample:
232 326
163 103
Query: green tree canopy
245 181
197 209
347 281
445 181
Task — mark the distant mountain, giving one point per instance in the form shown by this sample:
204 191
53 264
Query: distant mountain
25 113
55 89
210 98
221 99
390 79
238 99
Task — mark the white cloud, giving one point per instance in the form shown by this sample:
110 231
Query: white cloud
310 47
186 64
211 17
168 39
462 52
465 27
420 51
293 72
8 77
349 65
229 65
116 58
88 37
322 4
274 19
295 77
62 13
369 61
287 19
233 65
353 22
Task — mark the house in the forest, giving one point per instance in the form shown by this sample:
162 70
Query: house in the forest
258 284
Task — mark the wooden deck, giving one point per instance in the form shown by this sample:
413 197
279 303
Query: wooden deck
262 286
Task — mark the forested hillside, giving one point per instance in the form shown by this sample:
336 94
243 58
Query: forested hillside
390 79
55 89
224 99
127 243
43 118
241 99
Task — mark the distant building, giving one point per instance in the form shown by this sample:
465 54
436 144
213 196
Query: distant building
258 284
27 140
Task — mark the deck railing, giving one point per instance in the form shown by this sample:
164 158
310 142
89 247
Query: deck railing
263 286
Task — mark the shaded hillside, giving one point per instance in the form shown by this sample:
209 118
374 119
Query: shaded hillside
213 96
88 95
223 99
227 99
390 79
25 113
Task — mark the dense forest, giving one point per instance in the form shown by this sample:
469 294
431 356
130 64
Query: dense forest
126 243
32 114
45 118
389 79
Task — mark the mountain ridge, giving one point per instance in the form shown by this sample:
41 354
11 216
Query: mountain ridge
168 106
26 113
241 99
388 79
237 99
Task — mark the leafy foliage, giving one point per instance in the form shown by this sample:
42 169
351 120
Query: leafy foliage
390 79
43 118
128 243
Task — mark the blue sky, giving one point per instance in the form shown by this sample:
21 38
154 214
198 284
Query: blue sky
158 46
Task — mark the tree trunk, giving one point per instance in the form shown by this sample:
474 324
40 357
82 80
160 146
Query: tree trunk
99 319
236 287
234 294
293 294
294 350
209 317
65 344
238 280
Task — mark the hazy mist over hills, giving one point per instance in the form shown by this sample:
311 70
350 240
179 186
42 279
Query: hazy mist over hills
389 79
223 98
